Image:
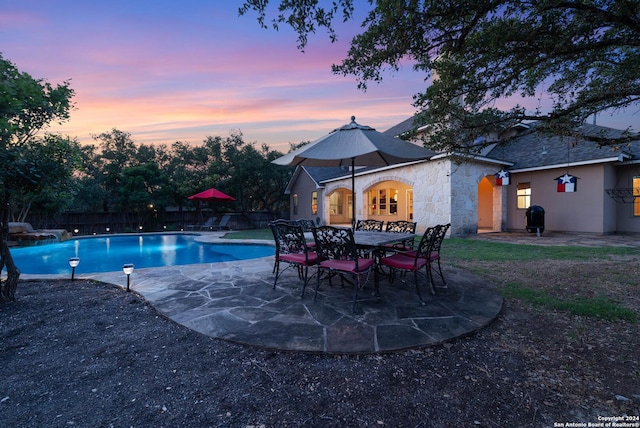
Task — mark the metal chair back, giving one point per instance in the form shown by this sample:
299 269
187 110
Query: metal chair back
370 225
401 226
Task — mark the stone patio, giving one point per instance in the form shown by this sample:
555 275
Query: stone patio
235 301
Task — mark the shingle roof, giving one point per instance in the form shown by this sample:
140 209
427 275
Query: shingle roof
531 149
322 173
399 129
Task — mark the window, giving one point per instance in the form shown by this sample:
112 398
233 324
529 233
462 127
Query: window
335 203
295 204
373 199
636 196
524 195
383 202
393 201
314 203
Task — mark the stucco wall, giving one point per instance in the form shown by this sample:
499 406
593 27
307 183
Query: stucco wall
579 211
303 187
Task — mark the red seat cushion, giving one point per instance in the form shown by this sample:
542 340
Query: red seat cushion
299 258
412 255
401 261
348 265
398 247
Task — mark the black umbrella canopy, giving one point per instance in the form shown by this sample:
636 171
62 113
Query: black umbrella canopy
355 145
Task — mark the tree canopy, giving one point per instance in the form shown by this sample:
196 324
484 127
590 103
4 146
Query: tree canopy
31 165
555 61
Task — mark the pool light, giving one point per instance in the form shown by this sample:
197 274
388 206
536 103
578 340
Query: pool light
73 262
128 270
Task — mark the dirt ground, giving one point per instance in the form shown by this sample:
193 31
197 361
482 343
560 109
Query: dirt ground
90 355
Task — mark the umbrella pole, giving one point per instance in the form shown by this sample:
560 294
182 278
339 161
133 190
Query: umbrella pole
353 193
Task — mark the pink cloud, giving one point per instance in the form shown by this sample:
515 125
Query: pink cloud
192 69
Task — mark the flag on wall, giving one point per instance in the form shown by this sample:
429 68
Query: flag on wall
502 178
566 183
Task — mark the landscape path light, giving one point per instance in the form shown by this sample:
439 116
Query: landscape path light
128 270
73 262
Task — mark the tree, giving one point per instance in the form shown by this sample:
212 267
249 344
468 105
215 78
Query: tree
582 55
117 152
27 106
53 159
90 193
251 177
187 172
142 191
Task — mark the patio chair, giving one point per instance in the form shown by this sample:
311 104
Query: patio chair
436 245
414 261
210 224
401 226
291 248
370 225
337 253
307 225
223 223
205 226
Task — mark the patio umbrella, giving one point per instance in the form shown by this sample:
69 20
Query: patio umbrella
212 195
355 145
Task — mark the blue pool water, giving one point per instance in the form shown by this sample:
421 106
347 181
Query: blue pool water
108 254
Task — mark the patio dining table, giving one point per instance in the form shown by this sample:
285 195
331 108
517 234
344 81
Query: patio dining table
374 242
377 243
369 239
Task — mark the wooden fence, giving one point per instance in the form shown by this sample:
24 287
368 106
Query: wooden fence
154 221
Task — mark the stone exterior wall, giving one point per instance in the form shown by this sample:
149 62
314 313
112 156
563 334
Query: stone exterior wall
464 196
443 192
432 194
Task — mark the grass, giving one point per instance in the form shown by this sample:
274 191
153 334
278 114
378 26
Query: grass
460 250
478 250
595 307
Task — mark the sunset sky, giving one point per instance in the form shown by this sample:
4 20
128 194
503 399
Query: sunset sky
169 70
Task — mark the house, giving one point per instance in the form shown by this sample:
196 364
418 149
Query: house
581 186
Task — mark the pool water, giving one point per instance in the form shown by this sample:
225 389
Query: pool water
108 254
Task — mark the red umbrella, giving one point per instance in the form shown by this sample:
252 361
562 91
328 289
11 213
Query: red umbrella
212 195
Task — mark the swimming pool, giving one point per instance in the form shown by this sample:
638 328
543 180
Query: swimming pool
109 253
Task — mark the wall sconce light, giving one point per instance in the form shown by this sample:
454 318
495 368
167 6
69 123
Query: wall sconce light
128 270
76 231
140 228
73 262
108 229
